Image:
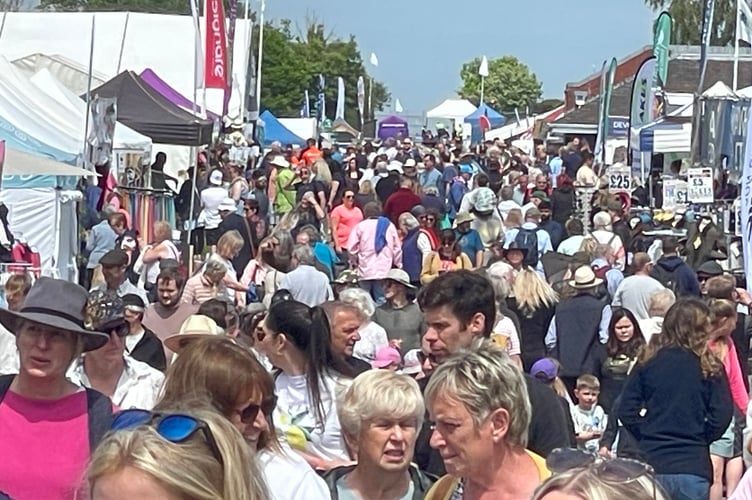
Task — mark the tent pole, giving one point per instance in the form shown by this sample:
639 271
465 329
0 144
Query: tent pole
260 58
2 26
122 41
194 150
88 87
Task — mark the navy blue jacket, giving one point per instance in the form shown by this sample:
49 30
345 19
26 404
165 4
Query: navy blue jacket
674 412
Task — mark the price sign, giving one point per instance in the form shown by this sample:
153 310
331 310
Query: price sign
700 185
619 179
674 193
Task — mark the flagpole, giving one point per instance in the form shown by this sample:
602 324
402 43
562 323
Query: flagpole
736 44
260 58
88 87
122 41
196 13
370 97
482 88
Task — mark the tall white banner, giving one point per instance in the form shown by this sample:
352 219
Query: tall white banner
746 209
340 112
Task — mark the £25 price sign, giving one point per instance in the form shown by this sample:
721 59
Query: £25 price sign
619 179
700 185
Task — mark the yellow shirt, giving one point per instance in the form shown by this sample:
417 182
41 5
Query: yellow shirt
445 486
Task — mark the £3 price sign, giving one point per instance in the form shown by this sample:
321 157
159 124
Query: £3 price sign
700 185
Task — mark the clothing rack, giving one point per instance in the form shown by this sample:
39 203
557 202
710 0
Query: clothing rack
147 206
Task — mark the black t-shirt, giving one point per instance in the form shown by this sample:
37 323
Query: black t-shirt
315 187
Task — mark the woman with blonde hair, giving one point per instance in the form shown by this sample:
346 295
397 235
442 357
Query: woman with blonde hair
598 479
227 248
513 220
726 452
241 389
661 409
381 415
534 303
152 255
365 194
174 455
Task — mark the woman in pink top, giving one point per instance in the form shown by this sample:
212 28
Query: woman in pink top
47 424
723 452
344 219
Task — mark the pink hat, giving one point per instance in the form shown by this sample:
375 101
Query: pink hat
386 356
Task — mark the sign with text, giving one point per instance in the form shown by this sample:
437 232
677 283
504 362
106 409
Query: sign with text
700 185
618 126
674 193
619 179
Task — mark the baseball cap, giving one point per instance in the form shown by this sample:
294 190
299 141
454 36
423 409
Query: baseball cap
386 356
412 364
215 178
544 369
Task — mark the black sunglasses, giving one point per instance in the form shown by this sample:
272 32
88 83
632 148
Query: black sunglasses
121 330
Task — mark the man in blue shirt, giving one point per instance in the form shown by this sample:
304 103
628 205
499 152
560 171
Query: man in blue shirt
431 177
469 239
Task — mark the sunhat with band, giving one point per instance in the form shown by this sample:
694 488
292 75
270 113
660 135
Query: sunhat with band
196 326
56 304
584 277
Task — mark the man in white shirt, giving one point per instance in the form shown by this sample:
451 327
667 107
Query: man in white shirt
507 202
307 284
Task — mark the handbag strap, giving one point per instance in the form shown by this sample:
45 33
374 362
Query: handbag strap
250 238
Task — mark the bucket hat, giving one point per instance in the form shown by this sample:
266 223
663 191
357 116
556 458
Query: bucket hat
196 326
57 304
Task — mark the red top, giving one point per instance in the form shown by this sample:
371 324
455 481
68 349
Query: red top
401 201
44 447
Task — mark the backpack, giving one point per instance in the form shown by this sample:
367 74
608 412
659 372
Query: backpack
527 239
667 278
98 408
600 272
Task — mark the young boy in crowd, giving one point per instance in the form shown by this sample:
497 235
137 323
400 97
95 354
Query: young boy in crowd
589 418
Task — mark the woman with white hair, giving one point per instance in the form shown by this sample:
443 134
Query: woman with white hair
603 234
505 333
372 336
478 401
381 414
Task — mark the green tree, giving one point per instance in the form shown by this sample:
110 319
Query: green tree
509 85
687 16
157 6
293 62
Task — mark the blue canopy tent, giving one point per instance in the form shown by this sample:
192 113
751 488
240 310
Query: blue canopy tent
495 119
275 131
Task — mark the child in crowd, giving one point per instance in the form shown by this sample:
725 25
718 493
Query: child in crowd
588 417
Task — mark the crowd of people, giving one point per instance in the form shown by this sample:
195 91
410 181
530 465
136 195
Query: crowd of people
382 321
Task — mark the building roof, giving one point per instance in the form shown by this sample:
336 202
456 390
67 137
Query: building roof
683 77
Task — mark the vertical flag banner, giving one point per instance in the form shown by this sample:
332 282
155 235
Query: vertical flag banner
199 58
398 106
321 106
361 99
216 45
305 110
483 69
661 41
517 116
374 60
340 112
746 204
600 140
707 25
640 107
232 16
744 29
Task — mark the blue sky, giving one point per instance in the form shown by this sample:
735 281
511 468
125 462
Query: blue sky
421 45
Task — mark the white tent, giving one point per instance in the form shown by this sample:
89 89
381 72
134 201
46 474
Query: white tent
670 134
452 109
125 137
42 208
35 113
67 34
305 128
72 75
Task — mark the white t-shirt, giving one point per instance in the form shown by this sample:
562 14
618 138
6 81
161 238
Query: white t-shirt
211 198
289 477
505 328
8 353
295 418
372 338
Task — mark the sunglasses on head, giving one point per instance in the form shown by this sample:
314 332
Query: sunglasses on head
613 471
174 427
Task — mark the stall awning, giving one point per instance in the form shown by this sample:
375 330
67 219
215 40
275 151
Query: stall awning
670 134
20 163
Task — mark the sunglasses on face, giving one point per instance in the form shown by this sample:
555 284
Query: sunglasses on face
349 197
250 412
121 330
175 427
430 219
